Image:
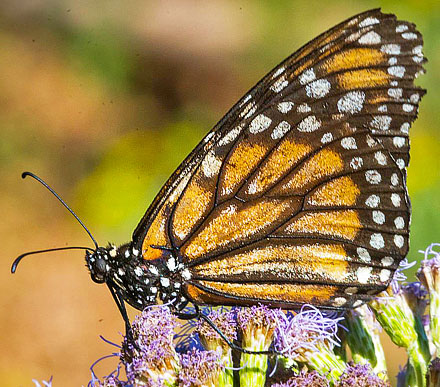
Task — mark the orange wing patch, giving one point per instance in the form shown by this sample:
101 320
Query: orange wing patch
342 191
282 159
194 203
324 163
243 159
236 221
352 58
344 224
156 236
360 79
321 262
281 293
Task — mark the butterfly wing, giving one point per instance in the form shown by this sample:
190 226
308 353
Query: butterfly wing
298 194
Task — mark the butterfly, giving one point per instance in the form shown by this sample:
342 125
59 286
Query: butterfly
298 194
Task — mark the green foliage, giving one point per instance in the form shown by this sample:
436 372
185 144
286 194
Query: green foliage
130 173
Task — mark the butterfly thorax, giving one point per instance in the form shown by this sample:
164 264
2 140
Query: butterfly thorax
140 282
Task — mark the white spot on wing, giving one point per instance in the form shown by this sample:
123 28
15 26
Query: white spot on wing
259 124
278 72
417 50
186 275
279 85
399 142
376 241
381 122
392 49
380 158
248 110
363 274
396 71
326 137
280 130
348 143
351 102
339 301
303 108
356 162
378 217
387 261
318 89
171 264
400 163
395 199
404 128
373 201
165 282
285 107
211 164
414 98
231 136
309 124
399 222
395 93
373 176
384 275
409 36
363 254
399 241
371 37
369 21
401 28
407 107
307 76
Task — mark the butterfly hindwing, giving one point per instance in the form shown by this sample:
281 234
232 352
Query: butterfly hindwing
298 194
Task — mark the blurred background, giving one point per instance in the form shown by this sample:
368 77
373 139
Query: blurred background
104 101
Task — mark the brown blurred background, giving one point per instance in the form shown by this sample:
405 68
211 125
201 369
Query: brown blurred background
103 101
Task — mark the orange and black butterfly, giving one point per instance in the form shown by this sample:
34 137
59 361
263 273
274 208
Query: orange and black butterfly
298 195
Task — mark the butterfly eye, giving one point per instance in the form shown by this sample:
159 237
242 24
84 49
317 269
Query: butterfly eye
98 268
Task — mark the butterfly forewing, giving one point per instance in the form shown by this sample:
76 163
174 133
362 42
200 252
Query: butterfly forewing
298 194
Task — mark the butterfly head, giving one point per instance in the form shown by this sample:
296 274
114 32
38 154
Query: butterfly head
140 283
98 264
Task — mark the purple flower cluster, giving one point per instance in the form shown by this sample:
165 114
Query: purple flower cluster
305 379
312 354
199 368
301 332
360 375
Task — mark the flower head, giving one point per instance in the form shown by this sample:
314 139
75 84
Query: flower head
300 333
151 357
224 319
363 338
305 379
257 324
199 368
429 276
415 295
399 275
360 375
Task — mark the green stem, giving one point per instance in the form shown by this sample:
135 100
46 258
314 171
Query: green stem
226 378
327 363
254 367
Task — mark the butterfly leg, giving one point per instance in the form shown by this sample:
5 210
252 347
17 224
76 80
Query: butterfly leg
198 314
121 306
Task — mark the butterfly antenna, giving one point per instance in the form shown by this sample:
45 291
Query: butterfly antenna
20 257
25 174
